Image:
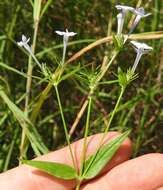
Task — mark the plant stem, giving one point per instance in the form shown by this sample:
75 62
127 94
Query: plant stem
83 156
107 128
64 126
56 75
97 80
78 185
28 84
112 115
115 109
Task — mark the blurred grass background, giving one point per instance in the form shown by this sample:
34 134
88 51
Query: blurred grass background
142 105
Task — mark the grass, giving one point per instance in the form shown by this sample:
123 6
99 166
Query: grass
141 105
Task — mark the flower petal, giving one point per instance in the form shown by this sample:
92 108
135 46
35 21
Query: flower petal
60 33
125 8
24 38
71 34
139 45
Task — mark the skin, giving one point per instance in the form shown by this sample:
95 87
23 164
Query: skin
142 173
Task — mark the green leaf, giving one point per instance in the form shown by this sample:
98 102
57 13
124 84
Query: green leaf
122 78
97 162
59 170
118 42
31 132
12 69
31 2
46 6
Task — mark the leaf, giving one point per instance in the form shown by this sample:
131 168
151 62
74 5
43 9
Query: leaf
31 2
31 132
46 6
59 170
97 162
122 78
12 69
118 42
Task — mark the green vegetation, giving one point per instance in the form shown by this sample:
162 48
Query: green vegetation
30 121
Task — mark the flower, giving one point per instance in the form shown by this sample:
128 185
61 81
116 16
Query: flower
140 13
120 20
66 36
140 48
24 43
124 8
121 16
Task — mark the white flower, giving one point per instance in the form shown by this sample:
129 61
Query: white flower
66 36
120 20
140 13
24 43
140 48
121 16
67 33
124 8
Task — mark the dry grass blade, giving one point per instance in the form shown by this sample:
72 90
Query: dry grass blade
142 36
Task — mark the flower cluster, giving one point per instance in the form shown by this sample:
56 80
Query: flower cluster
141 48
24 43
139 12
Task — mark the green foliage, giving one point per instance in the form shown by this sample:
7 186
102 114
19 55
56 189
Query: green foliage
35 139
92 166
126 78
90 22
37 9
97 162
62 171
118 41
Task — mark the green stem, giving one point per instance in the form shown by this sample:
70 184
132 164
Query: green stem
64 126
78 185
95 85
115 110
107 128
112 115
83 156
42 97
23 146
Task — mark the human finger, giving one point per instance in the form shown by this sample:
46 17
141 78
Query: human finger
143 173
28 178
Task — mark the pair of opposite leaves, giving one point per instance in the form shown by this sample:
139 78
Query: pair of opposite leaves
92 167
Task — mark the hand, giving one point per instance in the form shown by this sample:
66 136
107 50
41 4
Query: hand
142 173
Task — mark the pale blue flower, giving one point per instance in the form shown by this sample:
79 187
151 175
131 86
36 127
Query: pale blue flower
140 48
121 16
140 13
66 36
24 43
